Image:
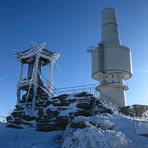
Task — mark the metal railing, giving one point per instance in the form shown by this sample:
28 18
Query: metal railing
76 89
108 99
2 119
141 127
90 88
23 82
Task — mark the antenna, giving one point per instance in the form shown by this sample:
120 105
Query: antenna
111 62
57 66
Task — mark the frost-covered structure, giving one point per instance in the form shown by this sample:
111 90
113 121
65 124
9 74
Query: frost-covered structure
86 121
93 137
77 120
31 88
111 61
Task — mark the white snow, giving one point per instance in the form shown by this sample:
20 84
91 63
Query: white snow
141 127
126 126
69 109
28 138
107 131
92 137
145 115
2 119
122 133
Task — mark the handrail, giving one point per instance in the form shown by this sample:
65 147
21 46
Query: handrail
76 86
45 90
2 119
23 82
3 116
76 89
110 98
141 130
84 88
89 88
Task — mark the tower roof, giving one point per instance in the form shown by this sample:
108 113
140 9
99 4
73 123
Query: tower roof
28 55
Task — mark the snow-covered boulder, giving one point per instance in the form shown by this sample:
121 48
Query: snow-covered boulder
63 109
57 112
92 137
134 110
98 122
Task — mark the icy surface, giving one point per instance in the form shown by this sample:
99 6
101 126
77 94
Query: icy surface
122 133
28 138
92 137
103 130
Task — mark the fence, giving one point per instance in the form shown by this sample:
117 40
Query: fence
2 119
109 99
90 88
141 127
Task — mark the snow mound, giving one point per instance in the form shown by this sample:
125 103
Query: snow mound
84 120
91 137
97 121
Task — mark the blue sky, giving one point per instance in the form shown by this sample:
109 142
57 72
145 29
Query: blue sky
70 27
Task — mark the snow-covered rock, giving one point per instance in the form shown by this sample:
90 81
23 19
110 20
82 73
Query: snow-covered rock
86 121
134 110
92 137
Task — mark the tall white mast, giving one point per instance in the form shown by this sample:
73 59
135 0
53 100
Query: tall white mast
111 61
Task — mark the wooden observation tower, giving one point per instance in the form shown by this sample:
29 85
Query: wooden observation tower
31 88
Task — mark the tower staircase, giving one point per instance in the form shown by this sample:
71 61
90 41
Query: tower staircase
90 88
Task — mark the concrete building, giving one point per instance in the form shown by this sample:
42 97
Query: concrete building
111 61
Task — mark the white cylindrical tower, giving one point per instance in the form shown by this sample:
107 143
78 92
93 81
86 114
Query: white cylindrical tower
111 62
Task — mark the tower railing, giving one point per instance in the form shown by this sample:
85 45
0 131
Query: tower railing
23 82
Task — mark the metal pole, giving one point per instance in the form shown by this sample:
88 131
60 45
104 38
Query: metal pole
51 76
21 70
35 82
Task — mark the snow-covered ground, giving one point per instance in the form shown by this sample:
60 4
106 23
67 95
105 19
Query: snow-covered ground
127 126
28 138
104 127
117 131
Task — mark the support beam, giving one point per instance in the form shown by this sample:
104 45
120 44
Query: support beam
21 70
35 82
51 76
